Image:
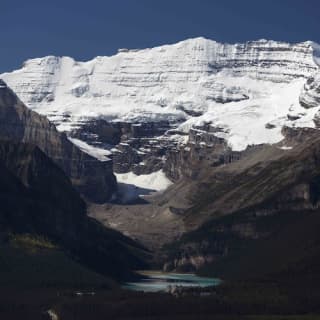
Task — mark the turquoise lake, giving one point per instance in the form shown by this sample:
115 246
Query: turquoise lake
161 281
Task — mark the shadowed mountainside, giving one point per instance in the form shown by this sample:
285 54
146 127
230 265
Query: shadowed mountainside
93 178
37 198
257 216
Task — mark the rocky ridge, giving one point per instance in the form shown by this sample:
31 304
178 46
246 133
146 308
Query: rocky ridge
93 178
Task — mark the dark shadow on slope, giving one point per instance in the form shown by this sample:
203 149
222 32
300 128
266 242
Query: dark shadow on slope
132 194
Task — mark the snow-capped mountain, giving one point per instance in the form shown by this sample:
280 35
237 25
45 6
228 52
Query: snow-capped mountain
244 92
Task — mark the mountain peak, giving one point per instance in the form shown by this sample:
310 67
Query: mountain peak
243 88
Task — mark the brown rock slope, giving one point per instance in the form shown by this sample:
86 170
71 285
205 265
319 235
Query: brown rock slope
255 216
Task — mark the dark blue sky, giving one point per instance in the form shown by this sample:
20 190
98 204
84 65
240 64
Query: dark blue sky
84 29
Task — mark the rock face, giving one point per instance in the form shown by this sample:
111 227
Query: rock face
310 95
151 100
203 148
137 147
93 178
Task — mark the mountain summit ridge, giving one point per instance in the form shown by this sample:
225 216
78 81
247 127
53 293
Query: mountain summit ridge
244 93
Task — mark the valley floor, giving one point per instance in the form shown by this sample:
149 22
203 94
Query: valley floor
69 304
147 222
37 277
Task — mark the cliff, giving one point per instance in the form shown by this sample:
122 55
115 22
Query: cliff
93 178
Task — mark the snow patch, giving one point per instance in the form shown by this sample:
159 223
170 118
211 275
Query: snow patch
98 153
156 181
285 148
131 186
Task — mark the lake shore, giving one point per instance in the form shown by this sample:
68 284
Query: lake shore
159 281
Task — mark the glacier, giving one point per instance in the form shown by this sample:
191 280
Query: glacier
247 90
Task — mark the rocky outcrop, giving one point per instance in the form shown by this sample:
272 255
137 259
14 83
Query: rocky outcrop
93 178
295 136
144 148
137 147
310 95
188 263
112 133
203 149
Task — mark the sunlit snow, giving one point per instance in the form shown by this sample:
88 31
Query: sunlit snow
168 82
